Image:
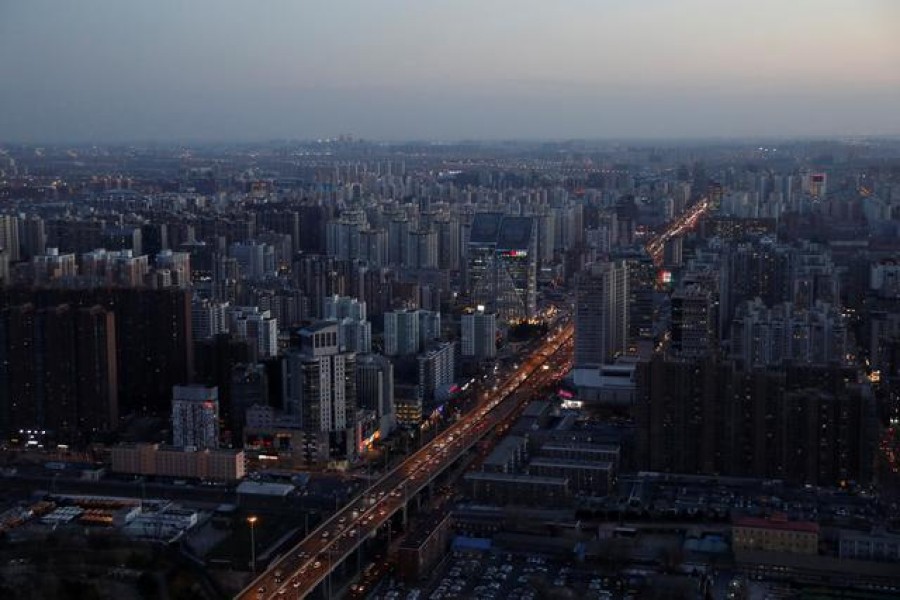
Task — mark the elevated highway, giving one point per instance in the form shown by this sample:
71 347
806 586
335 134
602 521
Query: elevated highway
305 566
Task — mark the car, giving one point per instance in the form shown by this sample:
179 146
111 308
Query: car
317 564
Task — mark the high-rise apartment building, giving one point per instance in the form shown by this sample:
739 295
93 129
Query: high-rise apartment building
256 326
178 264
322 390
58 371
694 318
601 313
195 417
401 332
479 334
375 388
437 372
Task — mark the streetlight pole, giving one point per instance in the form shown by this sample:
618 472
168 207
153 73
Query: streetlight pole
252 521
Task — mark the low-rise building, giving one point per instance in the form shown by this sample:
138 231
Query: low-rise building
874 545
775 534
594 478
517 489
166 461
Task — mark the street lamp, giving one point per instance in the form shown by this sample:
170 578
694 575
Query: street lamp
252 521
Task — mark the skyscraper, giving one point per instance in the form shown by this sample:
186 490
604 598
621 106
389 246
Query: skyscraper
322 390
502 265
601 313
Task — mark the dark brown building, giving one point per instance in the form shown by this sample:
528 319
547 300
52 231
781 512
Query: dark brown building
58 371
802 424
153 342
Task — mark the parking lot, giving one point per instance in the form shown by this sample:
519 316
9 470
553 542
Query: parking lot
503 576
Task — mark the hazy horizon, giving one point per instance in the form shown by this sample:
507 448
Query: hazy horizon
396 70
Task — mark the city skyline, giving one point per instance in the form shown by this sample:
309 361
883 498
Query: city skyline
105 72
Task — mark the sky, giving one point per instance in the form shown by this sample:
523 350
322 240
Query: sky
253 70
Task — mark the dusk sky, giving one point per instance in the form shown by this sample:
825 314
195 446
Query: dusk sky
124 70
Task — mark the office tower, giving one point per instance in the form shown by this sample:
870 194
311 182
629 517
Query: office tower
195 417
9 236
258 327
480 256
601 313
479 334
322 390
375 389
502 265
437 372
694 320
58 371
401 332
178 263
517 269
52 266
